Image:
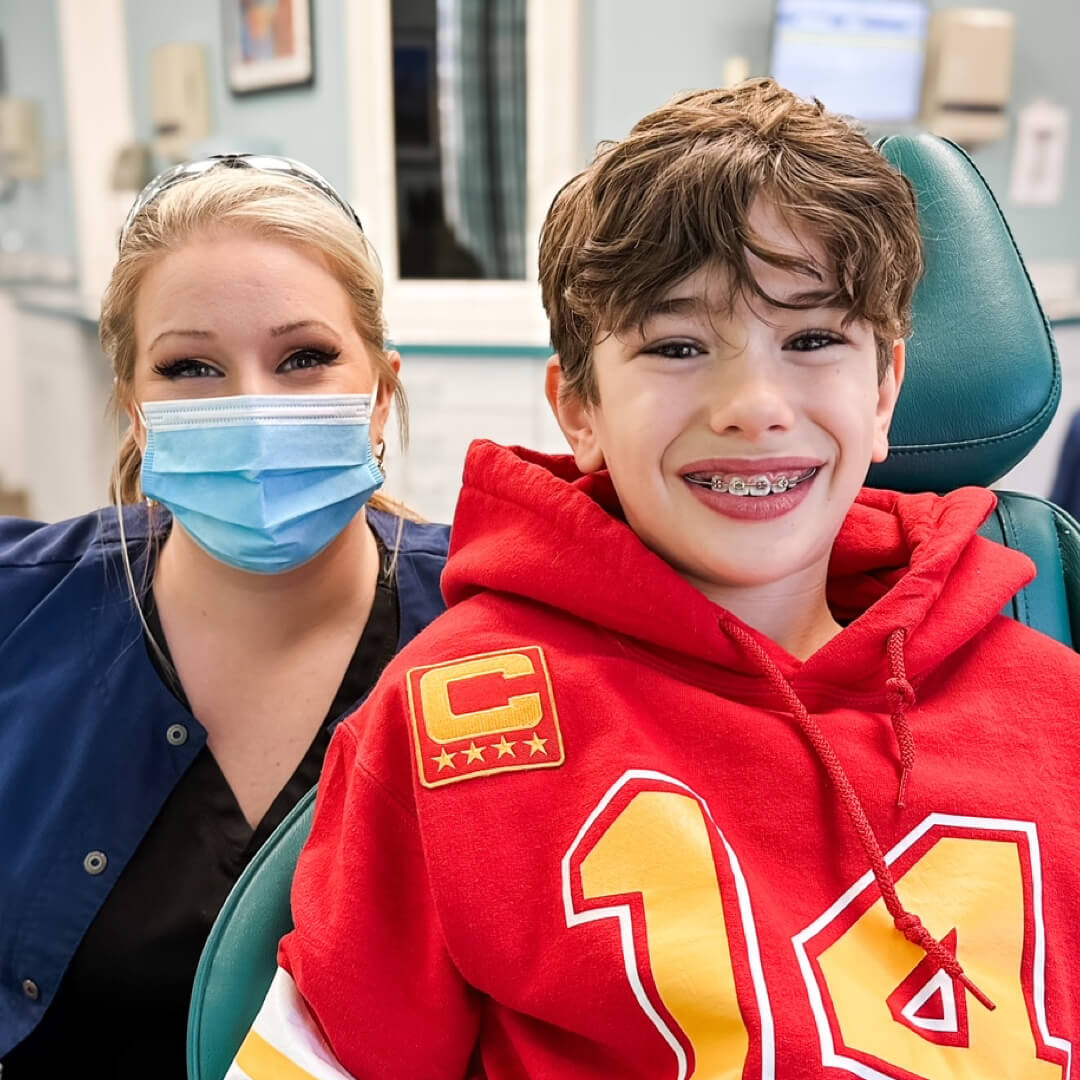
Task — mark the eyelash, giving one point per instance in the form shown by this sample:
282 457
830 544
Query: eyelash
821 338
667 348
687 350
322 357
189 368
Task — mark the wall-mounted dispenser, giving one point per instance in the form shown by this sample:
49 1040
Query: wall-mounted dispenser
21 155
179 98
969 70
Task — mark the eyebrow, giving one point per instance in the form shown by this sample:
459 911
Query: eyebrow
696 305
816 298
275 331
300 324
181 333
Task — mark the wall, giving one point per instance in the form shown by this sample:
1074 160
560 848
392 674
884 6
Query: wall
638 54
41 210
641 53
307 122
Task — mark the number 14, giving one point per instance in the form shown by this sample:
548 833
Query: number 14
651 857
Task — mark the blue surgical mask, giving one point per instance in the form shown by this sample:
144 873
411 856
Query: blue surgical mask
261 482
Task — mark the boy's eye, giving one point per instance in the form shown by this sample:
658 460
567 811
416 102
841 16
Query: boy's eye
305 359
676 350
814 339
187 368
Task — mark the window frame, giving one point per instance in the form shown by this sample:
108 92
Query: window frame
486 312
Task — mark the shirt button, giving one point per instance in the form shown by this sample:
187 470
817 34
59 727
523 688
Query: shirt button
30 989
95 862
176 735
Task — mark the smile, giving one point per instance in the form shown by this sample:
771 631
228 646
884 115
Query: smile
758 485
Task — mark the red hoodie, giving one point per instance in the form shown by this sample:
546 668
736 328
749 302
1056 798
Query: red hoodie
592 825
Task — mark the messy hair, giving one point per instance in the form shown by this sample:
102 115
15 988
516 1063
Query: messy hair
675 195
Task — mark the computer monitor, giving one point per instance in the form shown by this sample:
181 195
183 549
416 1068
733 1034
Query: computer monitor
863 58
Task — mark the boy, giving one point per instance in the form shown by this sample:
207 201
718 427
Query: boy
623 811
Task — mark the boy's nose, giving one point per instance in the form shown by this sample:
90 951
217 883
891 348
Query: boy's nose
749 403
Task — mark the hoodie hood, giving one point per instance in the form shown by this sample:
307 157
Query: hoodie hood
531 525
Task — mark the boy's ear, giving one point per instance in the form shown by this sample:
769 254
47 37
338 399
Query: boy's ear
888 393
576 418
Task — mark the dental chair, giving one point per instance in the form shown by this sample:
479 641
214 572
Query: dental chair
982 385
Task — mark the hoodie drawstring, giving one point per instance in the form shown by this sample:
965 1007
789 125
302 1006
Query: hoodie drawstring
908 924
903 697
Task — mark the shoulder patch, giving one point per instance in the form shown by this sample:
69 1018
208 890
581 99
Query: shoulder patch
494 712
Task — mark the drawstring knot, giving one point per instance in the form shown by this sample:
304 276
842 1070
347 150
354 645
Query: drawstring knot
902 696
909 925
901 692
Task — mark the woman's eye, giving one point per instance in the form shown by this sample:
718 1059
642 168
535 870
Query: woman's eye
186 369
304 359
676 350
814 339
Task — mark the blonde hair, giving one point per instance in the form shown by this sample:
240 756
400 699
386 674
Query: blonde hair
676 194
264 204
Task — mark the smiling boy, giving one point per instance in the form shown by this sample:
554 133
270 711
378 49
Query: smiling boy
737 431
702 772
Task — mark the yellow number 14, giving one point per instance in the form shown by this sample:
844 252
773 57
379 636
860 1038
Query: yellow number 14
651 857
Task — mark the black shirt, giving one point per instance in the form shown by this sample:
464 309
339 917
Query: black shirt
121 1008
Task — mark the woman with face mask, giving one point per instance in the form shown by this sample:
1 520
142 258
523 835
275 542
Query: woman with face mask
171 668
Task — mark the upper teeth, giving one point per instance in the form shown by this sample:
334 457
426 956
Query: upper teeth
751 485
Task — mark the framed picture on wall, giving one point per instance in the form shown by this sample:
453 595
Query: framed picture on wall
267 44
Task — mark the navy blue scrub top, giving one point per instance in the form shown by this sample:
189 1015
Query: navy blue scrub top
121 1005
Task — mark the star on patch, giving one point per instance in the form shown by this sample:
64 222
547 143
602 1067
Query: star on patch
474 753
536 745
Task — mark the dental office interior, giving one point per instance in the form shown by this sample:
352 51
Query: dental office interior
449 125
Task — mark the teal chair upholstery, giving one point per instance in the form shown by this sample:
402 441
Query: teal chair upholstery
982 385
983 379
240 956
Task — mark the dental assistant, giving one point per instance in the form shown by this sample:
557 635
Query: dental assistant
172 666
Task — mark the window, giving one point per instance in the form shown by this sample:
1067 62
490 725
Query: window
465 121
459 137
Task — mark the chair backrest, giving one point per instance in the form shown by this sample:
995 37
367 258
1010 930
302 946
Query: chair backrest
983 378
240 957
982 385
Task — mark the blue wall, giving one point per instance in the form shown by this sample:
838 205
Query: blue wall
639 53
307 122
41 211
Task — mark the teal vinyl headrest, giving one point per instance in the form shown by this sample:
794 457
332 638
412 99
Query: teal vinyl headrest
983 378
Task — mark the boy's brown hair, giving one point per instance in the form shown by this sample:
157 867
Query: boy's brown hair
676 194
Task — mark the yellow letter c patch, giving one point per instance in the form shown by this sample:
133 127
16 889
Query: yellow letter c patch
484 714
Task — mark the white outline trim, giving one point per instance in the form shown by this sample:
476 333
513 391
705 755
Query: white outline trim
626 931
829 1056
942 984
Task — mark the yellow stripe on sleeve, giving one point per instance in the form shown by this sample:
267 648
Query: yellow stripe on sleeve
261 1061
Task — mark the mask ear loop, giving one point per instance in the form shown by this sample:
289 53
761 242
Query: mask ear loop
380 456
380 450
